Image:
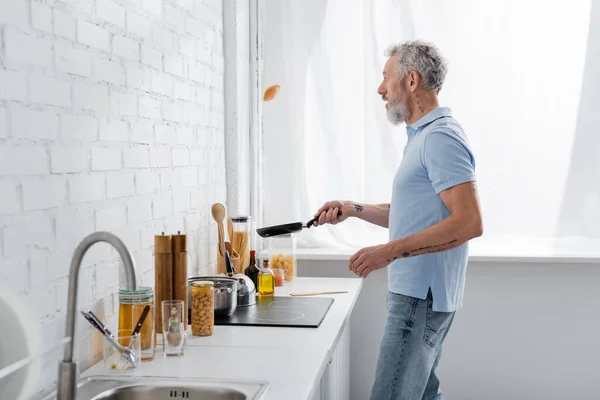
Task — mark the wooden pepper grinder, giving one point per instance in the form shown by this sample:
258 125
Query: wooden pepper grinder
163 276
180 272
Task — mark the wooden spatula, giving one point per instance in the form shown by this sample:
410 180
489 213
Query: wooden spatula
315 293
230 229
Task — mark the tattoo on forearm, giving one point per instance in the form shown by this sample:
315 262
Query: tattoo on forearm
431 249
358 207
436 245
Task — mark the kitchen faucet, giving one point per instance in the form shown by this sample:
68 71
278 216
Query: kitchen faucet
67 372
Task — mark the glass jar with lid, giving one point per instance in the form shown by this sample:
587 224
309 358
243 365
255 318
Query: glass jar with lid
282 255
127 299
279 275
243 238
203 308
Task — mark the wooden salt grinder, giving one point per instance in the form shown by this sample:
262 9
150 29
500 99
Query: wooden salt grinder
163 276
180 272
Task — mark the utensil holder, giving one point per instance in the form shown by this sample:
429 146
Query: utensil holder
111 355
148 333
233 255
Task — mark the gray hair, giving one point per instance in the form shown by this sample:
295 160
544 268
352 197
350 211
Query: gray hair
423 58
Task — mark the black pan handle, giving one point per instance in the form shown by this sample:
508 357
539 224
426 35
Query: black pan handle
312 221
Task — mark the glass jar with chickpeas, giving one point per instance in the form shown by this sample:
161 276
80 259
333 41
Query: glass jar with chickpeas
203 308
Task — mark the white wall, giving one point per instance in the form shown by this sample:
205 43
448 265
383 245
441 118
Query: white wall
111 118
527 331
580 203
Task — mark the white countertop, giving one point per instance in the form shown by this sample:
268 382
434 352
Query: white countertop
264 353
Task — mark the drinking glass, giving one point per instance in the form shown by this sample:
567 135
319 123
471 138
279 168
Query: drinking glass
111 355
173 327
147 333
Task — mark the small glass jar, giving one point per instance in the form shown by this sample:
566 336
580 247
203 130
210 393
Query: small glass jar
282 255
203 308
127 298
243 238
279 276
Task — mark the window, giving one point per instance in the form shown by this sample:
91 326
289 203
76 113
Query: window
521 82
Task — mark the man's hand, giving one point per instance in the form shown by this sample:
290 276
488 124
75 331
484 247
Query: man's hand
369 259
328 213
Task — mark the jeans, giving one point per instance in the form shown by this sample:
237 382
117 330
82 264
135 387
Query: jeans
410 350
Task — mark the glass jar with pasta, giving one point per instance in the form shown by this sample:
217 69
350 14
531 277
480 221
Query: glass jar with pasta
282 255
242 239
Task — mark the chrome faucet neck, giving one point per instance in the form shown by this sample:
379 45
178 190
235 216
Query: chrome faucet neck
67 375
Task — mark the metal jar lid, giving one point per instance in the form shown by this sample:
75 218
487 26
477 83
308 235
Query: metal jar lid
203 284
144 294
241 218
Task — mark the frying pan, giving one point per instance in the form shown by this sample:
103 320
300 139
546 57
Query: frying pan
285 229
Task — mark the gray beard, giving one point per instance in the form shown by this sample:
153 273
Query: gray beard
397 113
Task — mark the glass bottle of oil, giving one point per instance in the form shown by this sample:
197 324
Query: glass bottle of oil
266 280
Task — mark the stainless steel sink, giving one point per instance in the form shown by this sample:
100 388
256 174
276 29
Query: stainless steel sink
161 388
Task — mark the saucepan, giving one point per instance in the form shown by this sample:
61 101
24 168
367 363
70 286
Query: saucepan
285 229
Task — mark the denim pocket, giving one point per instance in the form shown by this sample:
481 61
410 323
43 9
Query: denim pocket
401 313
436 325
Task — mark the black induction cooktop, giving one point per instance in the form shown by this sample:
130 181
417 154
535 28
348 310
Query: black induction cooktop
298 312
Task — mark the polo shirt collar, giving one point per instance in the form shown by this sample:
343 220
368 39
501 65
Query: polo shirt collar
430 117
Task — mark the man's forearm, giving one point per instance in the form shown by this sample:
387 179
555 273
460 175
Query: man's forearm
449 233
378 214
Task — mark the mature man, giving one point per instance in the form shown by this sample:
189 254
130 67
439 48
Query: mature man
434 212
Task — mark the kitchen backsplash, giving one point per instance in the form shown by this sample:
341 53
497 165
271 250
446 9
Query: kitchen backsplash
111 118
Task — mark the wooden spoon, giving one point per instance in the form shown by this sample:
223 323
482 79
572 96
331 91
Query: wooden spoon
218 213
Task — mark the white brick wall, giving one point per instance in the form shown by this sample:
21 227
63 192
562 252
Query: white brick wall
111 118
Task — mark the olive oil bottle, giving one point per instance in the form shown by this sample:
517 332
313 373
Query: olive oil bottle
266 280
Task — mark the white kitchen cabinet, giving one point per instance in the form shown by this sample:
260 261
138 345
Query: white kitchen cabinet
316 393
335 381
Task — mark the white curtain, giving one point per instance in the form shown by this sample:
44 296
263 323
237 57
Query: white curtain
326 135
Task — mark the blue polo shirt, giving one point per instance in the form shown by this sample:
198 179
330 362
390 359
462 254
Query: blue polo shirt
436 157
